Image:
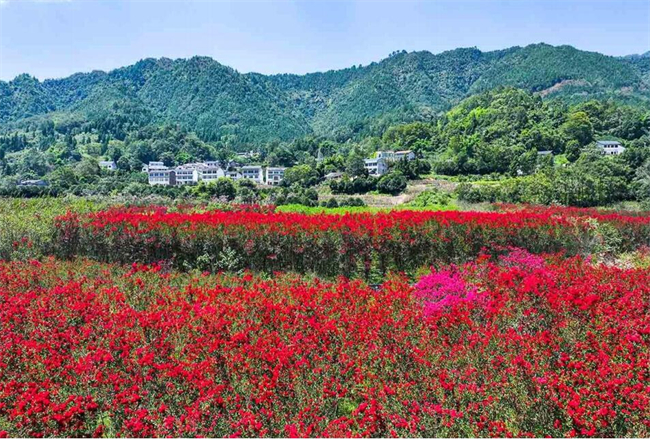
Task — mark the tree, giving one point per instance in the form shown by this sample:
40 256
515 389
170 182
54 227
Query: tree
392 183
221 188
578 127
303 175
88 169
356 167
416 136
282 157
573 150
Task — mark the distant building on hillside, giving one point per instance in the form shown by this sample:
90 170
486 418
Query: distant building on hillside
253 173
274 176
407 154
392 156
610 147
378 166
108 164
187 174
210 172
333 175
33 183
153 166
234 174
163 177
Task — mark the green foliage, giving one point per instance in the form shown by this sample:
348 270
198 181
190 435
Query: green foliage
222 105
502 130
593 180
197 109
355 167
431 198
358 185
392 183
222 188
302 175
412 169
578 127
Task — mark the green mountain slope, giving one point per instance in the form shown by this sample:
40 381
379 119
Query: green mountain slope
220 103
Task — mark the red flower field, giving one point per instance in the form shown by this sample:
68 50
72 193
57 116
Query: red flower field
352 245
518 345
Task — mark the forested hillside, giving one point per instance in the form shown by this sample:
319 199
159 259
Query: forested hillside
239 110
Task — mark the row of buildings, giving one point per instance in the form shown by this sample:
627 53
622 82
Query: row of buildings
192 173
380 164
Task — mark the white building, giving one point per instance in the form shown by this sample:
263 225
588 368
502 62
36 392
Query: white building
333 175
378 166
210 173
610 147
406 154
187 174
39 183
234 174
274 176
253 173
153 166
165 177
108 164
391 156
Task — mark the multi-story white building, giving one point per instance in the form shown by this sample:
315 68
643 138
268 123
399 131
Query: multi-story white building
377 166
610 147
406 154
391 156
210 173
274 176
234 174
164 177
187 174
386 155
253 173
153 166
108 164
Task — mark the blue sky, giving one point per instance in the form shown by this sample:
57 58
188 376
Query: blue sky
55 38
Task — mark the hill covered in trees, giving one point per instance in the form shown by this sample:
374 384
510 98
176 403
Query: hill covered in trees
237 110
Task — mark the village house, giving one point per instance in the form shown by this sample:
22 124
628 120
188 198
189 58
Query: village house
407 154
37 183
392 156
153 166
108 164
333 175
274 176
163 177
210 172
187 174
234 174
253 173
378 166
610 147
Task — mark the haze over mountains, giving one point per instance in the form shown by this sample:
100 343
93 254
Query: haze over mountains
220 103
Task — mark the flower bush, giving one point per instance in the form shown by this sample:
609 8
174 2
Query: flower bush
352 245
532 347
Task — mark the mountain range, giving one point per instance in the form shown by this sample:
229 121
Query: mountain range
221 104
